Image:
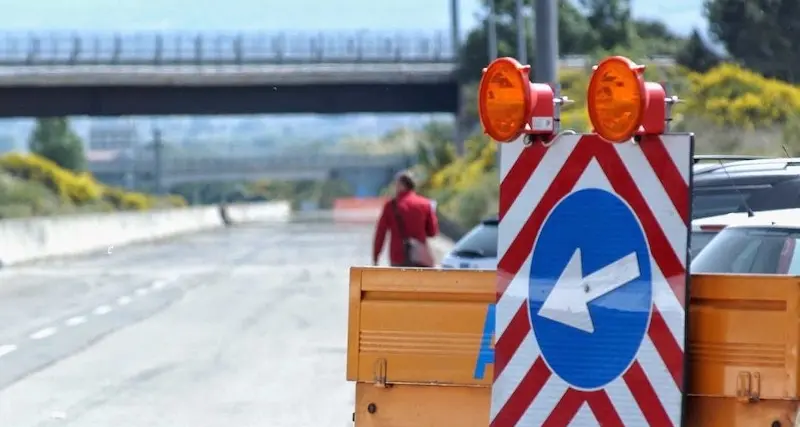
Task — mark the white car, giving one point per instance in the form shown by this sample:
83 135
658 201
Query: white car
766 243
477 250
704 229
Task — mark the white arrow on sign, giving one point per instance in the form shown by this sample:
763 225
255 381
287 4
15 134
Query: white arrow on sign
568 302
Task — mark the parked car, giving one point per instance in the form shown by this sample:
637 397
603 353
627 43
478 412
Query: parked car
722 185
731 184
762 244
477 250
705 229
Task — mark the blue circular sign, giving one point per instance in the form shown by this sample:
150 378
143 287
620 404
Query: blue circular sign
590 288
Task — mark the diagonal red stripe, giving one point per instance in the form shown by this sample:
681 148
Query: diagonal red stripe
521 246
667 172
527 390
625 187
519 174
667 346
603 409
507 344
646 397
503 282
565 409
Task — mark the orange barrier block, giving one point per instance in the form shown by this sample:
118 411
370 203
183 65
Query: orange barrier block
358 210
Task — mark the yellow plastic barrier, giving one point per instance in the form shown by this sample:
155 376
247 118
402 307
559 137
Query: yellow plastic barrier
415 340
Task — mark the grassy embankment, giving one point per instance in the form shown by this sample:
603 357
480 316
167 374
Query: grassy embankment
34 186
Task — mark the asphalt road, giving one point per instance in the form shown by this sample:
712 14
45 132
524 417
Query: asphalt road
239 327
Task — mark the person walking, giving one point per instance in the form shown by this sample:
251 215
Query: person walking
411 220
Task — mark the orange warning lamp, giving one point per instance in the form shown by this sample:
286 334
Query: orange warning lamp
510 105
621 104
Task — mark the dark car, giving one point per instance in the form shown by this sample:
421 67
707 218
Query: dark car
728 184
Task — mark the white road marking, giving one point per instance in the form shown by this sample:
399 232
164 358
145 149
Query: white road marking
103 309
44 333
124 300
142 291
6 349
74 321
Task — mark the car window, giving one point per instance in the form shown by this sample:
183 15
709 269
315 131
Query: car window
480 242
794 262
744 250
718 203
699 241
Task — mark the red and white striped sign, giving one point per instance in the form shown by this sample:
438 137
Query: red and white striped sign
653 179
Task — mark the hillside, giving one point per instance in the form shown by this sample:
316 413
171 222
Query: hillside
34 186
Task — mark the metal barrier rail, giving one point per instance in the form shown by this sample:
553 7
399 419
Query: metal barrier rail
248 164
294 162
60 49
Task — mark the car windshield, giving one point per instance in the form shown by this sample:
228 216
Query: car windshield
751 250
480 242
699 241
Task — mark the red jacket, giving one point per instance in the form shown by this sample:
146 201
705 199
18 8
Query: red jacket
419 222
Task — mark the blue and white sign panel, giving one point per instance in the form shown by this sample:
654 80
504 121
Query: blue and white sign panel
592 278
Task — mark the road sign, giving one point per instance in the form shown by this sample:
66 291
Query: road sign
592 278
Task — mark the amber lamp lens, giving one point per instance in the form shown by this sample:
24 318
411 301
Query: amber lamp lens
503 100
616 99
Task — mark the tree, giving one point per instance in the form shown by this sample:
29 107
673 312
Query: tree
575 35
53 139
611 21
696 56
761 35
606 26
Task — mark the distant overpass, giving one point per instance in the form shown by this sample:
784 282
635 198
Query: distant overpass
258 73
164 74
367 174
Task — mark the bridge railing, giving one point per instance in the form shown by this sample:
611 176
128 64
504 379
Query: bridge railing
154 49
253 165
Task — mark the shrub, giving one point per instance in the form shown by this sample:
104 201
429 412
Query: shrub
71 188
33 185
128 201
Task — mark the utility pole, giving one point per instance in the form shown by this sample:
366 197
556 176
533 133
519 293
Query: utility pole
492 32
455 27
522 43
546 67
158 147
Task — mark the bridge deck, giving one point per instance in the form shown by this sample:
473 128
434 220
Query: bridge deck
227 75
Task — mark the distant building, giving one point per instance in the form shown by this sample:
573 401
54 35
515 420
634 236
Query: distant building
113 135
113 142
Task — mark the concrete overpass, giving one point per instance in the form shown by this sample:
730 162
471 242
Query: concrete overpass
257 73
367 174
162 74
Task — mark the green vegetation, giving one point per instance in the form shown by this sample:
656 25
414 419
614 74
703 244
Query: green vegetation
728 102
52 181
52 138
31 185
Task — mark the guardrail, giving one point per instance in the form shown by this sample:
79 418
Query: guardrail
245 165
65 49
